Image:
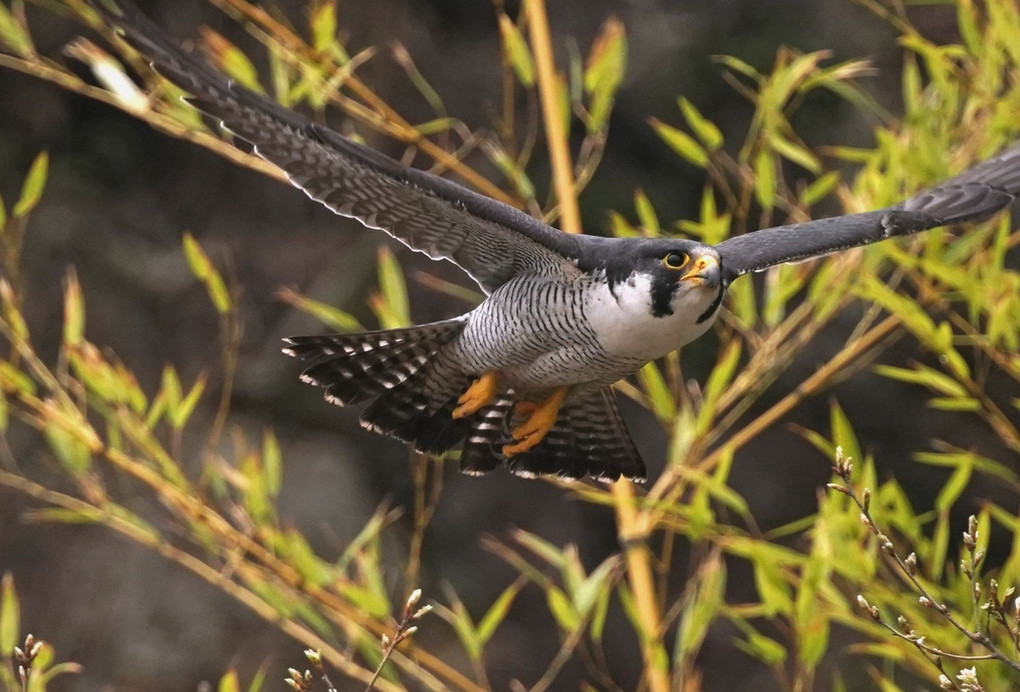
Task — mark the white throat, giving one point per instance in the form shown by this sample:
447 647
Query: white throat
627 327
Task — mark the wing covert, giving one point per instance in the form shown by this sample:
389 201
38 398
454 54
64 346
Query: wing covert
975 194
489 240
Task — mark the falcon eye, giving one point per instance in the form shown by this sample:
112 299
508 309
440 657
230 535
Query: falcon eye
675 260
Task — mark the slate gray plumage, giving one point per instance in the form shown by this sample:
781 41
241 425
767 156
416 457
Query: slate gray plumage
567 312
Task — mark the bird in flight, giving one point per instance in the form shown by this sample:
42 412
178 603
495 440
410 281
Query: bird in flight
525 378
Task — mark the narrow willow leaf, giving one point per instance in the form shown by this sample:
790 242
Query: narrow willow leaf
231 59
10 616
682 143
32 189
604 72
272 461
659 396
229 682
516 52
646 213
953 488
703 128
203 270
794 152
706 601
458 618
765 184
180 413
819 189
74 311
13 34
843 432
588 592
391 307
562 609
322 20
14 380
497 612
330 316
762 648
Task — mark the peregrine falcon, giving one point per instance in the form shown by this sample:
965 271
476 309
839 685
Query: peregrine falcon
524 379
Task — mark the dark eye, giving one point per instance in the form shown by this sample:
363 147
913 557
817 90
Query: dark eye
675 260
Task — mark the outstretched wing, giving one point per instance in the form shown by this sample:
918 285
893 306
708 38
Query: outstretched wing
975 194
489 240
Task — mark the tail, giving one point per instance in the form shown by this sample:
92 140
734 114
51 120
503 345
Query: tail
412 388
589 439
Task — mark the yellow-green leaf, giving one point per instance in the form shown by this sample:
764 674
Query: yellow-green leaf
516 51
646 213
322 20
32 189
229 682
703 128
10 616
74 311
203 270
13 34
682 143
497 612
765 179
562 609
272 461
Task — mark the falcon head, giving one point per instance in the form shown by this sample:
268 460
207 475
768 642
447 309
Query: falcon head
668 277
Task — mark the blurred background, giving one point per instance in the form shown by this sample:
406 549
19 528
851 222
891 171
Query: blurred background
120 196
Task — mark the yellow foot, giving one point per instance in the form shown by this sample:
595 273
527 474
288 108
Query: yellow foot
541 418
481 392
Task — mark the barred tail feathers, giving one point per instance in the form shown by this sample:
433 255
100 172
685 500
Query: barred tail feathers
589 439
412 392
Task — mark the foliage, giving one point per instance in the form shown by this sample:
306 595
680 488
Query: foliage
841 568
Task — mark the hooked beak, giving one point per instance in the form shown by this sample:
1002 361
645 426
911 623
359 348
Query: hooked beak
705 271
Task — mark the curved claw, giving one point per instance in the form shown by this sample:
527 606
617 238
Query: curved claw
481 393
541 419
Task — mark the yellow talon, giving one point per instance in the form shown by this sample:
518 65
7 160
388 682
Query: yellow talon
481 393
541 419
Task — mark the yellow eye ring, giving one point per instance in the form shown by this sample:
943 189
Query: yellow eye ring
676 260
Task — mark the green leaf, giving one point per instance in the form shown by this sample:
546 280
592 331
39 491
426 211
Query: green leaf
272 461
763 648
953 488
322 20
703 129
646 213
10 616
203 270
331 317
682 143
74 311
231 60
516 52
229 682
765 179
819 189
497 612
604 70
659 396
391 306
706 600
588 592
13 34
562 609
180 413
795 153
32 189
